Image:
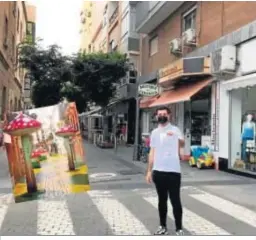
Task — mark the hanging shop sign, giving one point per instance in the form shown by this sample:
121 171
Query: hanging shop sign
148 90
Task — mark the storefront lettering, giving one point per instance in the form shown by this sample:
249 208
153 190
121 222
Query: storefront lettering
167 71
148 90
215 118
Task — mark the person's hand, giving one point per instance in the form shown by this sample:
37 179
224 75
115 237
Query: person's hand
149 177
170 133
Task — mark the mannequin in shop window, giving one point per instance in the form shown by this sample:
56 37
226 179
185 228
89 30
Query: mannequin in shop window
248 134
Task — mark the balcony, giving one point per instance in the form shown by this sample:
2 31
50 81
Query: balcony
113 17
150 14
126 91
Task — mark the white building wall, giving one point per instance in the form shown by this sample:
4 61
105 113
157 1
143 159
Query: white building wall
223 123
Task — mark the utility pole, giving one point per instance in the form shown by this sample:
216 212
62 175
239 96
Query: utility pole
137 123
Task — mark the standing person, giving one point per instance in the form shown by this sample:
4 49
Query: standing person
164 160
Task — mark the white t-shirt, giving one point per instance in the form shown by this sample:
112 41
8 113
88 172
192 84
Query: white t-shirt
166 158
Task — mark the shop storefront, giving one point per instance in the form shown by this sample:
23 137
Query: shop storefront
241 92
186 89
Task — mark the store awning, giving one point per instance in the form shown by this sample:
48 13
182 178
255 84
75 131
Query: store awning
180 94
240 82
87 114
146 101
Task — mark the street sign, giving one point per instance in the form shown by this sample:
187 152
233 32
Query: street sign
148 90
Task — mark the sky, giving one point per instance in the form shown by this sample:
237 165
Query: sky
58 22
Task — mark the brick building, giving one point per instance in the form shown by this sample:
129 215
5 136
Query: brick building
192 50
211 20
13 20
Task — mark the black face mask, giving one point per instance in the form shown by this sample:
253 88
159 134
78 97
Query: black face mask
162 119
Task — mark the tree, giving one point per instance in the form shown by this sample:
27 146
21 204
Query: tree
96 75
45 68
83 78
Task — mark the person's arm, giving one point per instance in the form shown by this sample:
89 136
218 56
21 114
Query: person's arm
181 141
151 153
151 159
181 138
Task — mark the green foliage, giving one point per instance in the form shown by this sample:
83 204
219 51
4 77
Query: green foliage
42 158
96 75
45 68
82 78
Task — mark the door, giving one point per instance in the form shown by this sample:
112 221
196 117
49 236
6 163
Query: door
187 128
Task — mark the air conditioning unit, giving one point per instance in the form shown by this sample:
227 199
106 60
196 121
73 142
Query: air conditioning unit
189 37
175 46
223 61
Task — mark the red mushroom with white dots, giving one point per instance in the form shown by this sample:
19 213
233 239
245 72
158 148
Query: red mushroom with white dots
22 125
66 131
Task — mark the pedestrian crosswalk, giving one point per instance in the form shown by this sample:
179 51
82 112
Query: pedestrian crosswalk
46 225
196 224
123 212
119 218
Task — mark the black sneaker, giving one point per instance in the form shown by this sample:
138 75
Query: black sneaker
180 233
161 231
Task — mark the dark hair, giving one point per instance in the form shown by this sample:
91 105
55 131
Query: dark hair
164 108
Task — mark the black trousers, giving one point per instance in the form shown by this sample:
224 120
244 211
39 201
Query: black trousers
168 183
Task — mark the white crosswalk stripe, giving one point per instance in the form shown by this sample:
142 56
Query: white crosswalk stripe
5 200
54 218
120 219
194 223
234 210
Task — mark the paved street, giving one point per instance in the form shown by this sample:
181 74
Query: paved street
121 203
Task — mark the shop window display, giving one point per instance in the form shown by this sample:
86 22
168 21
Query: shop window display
243 129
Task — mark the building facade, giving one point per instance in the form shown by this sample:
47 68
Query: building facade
201 46
86 25
28 33
115 31
13 20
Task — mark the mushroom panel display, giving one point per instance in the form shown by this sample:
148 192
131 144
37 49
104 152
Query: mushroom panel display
22 125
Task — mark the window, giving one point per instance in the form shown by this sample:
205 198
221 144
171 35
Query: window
124 5
112 46
21 32
189 20
153 46
125 25
243 129
6 32
4 98
15 104
13 47
14 8
18 20
104 23
17 55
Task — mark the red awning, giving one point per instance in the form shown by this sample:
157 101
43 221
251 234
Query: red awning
180 94
146 101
